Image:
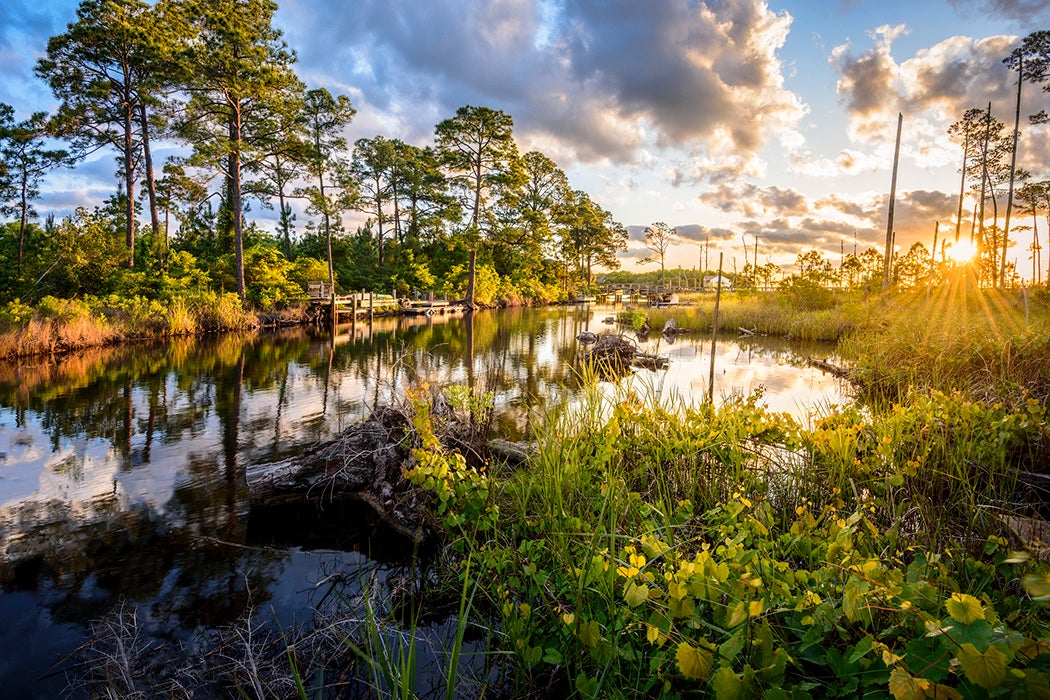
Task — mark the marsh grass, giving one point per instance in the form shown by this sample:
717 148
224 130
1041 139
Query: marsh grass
987 344
771 313
644 544
62 325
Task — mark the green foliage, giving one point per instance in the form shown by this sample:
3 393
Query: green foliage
733 551
266 275
463 493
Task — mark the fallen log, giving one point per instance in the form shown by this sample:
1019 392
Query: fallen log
511 452
366 463
825 366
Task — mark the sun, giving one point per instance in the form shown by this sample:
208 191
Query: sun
962 252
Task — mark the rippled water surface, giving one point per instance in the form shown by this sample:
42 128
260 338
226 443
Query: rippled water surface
122 469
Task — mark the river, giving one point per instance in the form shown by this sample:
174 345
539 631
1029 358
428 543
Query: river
122 469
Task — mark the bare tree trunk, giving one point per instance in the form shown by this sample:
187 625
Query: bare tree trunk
984 184
1013 163
129 186
893 197
962 185
234 166
151 184
23 217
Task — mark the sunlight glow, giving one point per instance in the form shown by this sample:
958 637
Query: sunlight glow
962 251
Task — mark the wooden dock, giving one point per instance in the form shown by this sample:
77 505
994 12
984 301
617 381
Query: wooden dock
370 304
432 307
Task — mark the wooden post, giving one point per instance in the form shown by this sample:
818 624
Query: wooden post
933 251
893 197
984 185
714 336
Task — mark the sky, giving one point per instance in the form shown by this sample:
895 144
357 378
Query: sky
724 119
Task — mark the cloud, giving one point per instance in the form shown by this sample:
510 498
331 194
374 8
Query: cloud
751 200
936 84
697 233
602 80
1025 13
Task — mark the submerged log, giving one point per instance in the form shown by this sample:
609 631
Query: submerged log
366 463
511 452
825 366
614 355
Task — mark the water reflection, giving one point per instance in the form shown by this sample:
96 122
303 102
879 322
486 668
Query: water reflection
122 469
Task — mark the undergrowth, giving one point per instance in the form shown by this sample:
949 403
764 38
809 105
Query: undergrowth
731 551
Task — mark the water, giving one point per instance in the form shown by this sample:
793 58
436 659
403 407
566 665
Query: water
122 470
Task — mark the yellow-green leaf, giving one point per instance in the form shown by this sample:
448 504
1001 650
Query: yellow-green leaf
589 633
964 608
985 669
693 662
727 685
738 615
636 594
906 687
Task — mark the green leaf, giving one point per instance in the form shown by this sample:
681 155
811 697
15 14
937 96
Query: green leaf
589 634
727 685
861 649
587 687
552 656
986 669
693 662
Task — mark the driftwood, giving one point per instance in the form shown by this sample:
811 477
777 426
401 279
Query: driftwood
511 452
825 366
365 464
614 355
672 329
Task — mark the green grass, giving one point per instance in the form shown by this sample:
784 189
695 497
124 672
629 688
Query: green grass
987 344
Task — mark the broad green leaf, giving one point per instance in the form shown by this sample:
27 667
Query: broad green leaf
693 662
986 669
589 633
727 684
861 649
964 608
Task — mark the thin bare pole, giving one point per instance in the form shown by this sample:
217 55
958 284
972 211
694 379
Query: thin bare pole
1013 163
714 335
893 197
933 251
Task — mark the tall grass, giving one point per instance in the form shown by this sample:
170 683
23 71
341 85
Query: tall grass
988 344
771 313
62 325
643 546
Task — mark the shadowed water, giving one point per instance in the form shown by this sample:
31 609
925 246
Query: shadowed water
122 469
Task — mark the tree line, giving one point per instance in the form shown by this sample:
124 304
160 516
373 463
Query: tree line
468 213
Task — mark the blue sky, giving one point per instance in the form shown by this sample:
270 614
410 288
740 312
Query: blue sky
724 119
